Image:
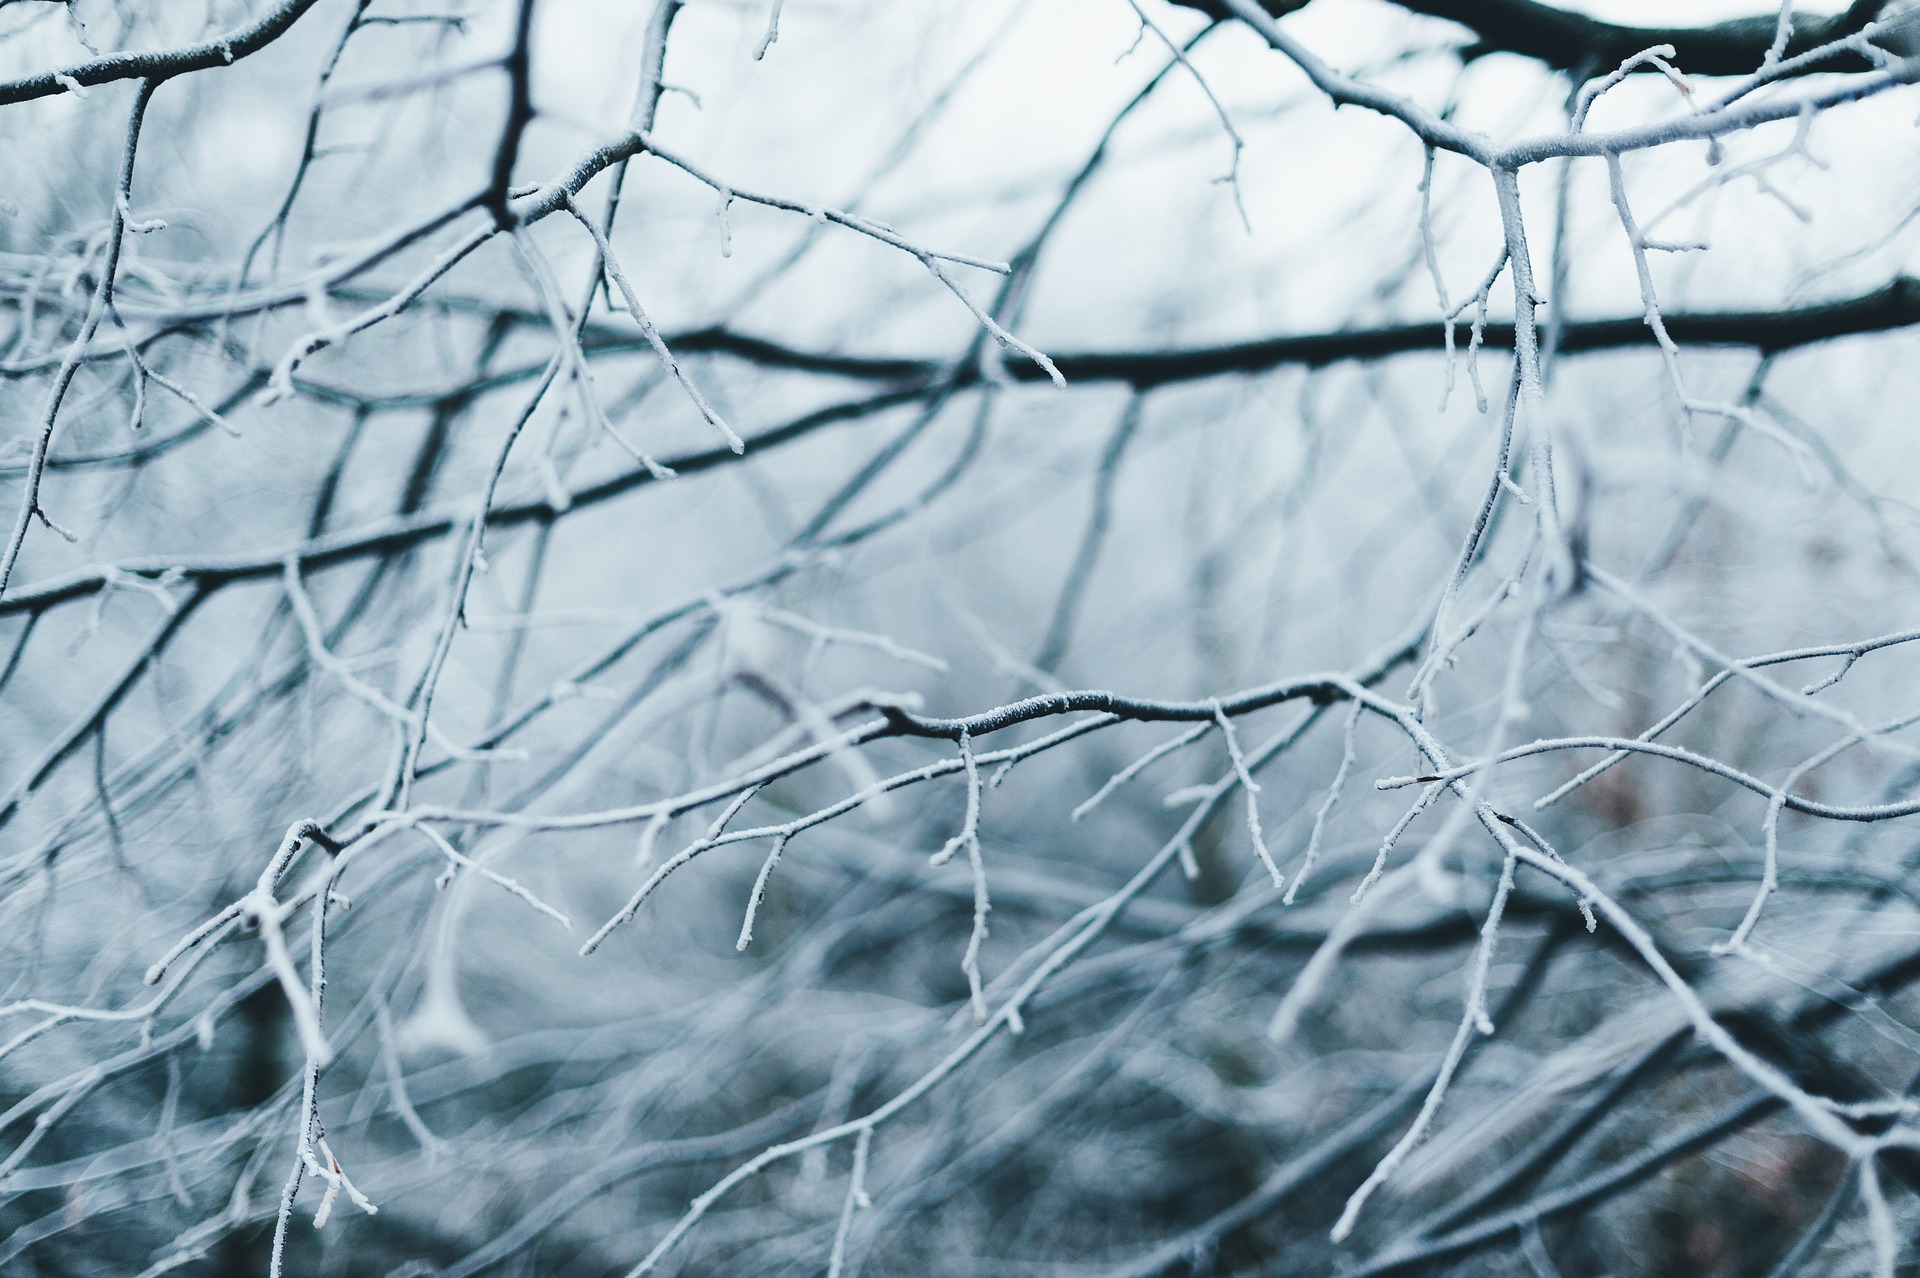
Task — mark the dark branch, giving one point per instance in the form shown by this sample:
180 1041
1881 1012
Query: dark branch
1895 306
1569 41
1320 689
162 64
519 69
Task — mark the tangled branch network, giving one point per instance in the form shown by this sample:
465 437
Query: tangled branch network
562 561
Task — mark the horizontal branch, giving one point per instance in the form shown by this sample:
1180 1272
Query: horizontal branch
1570 41
1720 120
1895 306
1320 689
162 63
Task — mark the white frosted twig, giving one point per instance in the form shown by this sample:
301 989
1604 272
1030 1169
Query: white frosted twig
1232 177
144 373
773 30
290 1189
970 823
732 810
1706 763
1849 653
652 332
1139 765
571 353
759 892
1798 702
1658 57
1639 243
632 907
323 657
649 836
219 923
1326 805
102 298
969 838
1429 250
280 384
457 859
1424 124
853 638
1533 836
711 839
982 907
1479 299
1438 635
993 326
856 1200
336 1181
265 911
852 221
1513 707
1252 788
1427 796
1474 1018
1821 1115
192 401
1445 645
1840 672
1818 1113
1770 871
261 908
1754 170
311 1133
1526 295
1782 35
1690 404
397 1084
932 259
1513 711
1772 70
